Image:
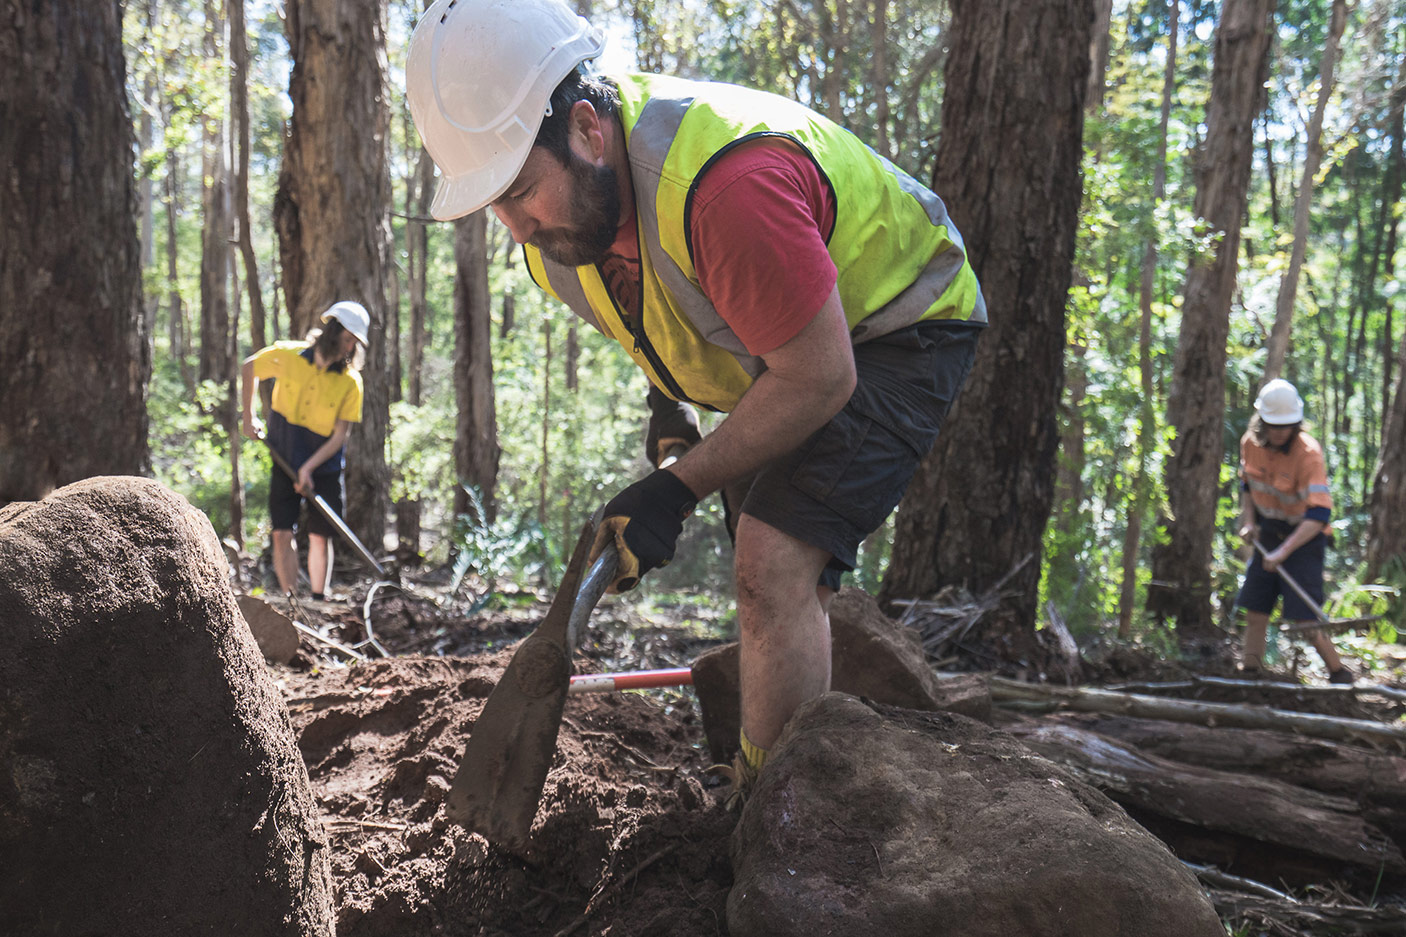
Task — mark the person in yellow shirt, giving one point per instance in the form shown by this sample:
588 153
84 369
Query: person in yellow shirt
316 398
1287 506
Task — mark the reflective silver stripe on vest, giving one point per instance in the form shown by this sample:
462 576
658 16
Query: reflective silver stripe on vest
649 145
566 284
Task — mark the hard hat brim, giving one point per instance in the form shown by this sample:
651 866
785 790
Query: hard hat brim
455 198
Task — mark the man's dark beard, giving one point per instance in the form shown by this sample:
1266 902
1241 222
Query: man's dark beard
586 237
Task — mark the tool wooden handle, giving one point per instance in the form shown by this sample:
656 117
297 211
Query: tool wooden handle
1284 574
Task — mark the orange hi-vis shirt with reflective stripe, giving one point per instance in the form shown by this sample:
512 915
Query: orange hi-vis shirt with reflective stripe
1286 486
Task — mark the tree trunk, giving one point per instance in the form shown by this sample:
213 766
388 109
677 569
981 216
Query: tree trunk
1303 201
419 193
1196 404
239 106
1147 281
215 362
1098 55
178 332
476 447
75 351
879 75
1017 73
1386 534
332 212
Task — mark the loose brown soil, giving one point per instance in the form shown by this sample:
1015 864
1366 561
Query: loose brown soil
630 837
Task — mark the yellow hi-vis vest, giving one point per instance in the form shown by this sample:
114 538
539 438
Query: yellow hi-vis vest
899 257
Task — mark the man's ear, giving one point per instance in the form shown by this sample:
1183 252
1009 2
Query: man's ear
585 134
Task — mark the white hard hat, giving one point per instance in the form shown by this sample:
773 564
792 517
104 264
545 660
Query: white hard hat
1279 403
479 77
354 318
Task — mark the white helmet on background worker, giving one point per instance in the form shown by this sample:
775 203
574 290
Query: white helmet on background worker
479 77
1279 403
354 318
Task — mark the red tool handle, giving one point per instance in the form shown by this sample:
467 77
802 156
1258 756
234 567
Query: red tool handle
636 680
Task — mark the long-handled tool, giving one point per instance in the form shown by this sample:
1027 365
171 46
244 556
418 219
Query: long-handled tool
510 750
634 680
1323 622
326 511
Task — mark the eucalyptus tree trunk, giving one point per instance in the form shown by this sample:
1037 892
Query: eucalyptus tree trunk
332 212
75 351
879 74
239 107
1098 55
476 449
419 193
1008 168
178 327
1181 567
1386 533
1303 201
1147 281
216 363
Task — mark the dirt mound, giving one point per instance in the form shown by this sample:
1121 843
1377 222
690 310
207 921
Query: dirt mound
627 840
148 777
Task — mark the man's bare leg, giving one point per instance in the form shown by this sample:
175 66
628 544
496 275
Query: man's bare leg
285 561
784 625
319 563
1256 630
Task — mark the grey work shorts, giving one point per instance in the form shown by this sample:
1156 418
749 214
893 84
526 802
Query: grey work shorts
839 486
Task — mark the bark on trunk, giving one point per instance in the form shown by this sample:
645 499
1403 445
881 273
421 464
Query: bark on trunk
75 351
1147 281
1196 406
476 447
1386 535
239 106
216 363
1303 201
1008 168
332 212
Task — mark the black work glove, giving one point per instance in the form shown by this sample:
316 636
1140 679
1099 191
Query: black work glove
671 424
644 520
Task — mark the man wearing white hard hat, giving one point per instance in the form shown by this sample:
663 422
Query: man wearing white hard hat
753 258
316 398
1287 506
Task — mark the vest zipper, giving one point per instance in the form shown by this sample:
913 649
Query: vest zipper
643 346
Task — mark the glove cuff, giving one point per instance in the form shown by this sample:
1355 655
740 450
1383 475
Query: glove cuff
676 497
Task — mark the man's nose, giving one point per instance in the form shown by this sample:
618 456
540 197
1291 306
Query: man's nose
520 224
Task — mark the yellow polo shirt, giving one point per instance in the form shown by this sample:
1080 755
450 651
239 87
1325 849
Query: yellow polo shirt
304 395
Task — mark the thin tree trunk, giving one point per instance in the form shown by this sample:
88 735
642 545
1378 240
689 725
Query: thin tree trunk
1196 406
544 459
215 361
879 75
419 192
75 342
239 105
332 212
1303 201
1016 73
1386 533
476 449
1098 56
178 331
1147 415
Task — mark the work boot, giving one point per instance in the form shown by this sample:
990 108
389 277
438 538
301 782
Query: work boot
1341 675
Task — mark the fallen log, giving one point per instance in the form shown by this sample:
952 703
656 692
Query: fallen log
1303 918
1007 692
1258 809
1371 777
1296 689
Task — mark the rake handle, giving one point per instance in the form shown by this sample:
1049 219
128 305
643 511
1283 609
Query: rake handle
1284 574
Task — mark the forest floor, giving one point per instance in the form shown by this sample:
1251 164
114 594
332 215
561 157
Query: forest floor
631 837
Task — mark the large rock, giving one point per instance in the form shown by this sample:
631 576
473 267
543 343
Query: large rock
870 820
871 656
149 778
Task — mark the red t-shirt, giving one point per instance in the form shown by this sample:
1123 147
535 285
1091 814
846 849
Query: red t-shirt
761 217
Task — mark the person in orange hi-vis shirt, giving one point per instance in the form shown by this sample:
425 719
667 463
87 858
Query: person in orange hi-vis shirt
1287 506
